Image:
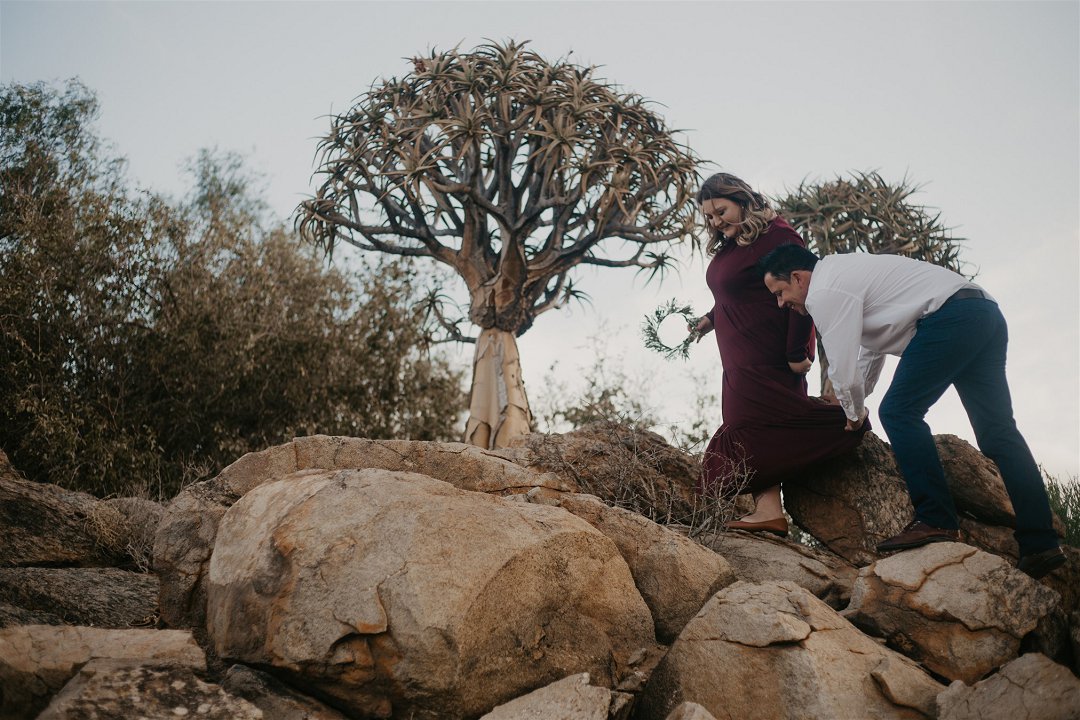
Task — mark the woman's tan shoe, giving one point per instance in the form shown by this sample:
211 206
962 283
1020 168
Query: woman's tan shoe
778 526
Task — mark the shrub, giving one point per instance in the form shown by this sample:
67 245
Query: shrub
1065 502
145 343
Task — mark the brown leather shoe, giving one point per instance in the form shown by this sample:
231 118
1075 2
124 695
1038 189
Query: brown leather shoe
917 534
1040 564
778 526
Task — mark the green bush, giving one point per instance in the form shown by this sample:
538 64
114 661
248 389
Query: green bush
146 343
1065 502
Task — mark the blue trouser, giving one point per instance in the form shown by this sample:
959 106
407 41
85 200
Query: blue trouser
963 344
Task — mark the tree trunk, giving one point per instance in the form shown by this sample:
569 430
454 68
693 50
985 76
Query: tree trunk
498 408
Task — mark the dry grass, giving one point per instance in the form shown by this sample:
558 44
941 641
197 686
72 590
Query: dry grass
637 470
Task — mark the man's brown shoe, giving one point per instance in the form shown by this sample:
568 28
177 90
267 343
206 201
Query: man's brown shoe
778 526
917 534
1042 563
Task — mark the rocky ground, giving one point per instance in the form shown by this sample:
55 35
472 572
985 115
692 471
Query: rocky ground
572 576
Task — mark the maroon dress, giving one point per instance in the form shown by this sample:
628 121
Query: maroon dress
771 426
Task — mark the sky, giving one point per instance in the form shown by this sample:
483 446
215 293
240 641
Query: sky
978 102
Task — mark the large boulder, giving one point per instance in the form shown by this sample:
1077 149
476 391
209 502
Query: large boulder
622 465
675 575
957 610
37 660
392 592
100 597
1031 687
773 651
854 502
571 698
274 698
103 690
690 711
763 558
46 525
185 537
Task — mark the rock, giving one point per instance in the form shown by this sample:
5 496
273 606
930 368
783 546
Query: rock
37 660
690 711
1066 580
274 698
1000 541
674 575
975 482
772 650
101 597
104 690
957 610
852 502
762 558
571 698
996 539
47 526
1074 636
185 536
622 465
15 615
1031 687
394 592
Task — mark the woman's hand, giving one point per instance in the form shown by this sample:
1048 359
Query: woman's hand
802 367
704 326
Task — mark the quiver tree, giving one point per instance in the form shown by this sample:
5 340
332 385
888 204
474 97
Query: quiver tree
512 171
865 213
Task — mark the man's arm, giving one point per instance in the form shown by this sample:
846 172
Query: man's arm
839 318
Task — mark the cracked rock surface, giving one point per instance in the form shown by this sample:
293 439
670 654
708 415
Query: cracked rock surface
37 660
760 558
105 690
774 650
392 592
959 611
854 502
571 698
1032 687
674 574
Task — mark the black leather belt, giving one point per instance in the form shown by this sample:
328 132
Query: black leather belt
965 293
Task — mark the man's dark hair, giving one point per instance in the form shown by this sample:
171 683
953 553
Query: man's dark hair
784 260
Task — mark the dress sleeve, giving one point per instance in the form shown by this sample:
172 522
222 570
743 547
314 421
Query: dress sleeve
800 335
800 331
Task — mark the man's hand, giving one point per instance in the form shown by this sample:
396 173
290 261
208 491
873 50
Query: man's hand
802 367
853 426
703 327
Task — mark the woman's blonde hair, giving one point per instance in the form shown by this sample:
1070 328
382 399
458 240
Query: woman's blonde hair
755 209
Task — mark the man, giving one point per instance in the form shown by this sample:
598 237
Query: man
947 331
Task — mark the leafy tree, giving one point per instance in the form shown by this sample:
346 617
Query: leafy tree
145 343
511 170
866 213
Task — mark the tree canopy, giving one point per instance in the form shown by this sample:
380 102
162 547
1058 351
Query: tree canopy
511 170
867 213
146 342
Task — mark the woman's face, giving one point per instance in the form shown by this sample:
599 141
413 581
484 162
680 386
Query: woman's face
723 215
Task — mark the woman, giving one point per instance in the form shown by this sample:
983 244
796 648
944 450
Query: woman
772 429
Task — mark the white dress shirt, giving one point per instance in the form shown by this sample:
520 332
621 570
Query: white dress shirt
865 307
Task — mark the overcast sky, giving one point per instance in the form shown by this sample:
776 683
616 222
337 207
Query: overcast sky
977 101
